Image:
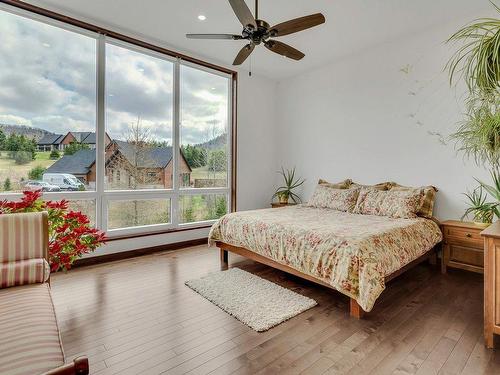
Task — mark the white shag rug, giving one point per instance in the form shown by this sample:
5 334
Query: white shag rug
258 303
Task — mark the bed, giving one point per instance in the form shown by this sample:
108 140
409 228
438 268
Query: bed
354 254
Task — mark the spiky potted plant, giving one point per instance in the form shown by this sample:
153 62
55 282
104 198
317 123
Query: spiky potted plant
481 211
290 183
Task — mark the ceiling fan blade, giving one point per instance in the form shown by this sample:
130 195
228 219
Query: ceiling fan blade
214 36
243 54
297 24
244 14
283 49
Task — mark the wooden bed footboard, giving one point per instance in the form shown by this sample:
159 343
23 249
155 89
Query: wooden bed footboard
79 366
355 310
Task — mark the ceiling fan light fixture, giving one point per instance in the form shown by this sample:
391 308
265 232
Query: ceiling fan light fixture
202 17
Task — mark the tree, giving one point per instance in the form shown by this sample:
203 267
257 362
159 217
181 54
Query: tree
12 144
156 143
220 207
141 143
22 157
74 146
3 139
215 206
217 161
33 148
188 214
131 166
20 148
36 173
195 156
7 185
54 154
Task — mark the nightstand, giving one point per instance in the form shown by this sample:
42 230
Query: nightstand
277 204
491 283
463 246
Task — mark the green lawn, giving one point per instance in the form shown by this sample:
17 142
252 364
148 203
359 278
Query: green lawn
202 207
44 156
203 172
9 169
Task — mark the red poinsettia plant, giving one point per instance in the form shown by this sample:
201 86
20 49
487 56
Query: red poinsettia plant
70 232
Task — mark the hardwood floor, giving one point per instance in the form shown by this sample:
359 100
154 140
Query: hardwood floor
136 316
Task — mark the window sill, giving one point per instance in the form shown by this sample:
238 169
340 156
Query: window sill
155 232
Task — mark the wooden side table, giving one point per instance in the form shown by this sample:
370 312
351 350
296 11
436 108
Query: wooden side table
278 204
491 283
463 246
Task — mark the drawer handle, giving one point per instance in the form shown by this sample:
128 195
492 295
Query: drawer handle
468 235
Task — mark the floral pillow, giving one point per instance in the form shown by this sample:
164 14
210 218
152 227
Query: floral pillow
428 197
397 204
380 186
337 185
336 199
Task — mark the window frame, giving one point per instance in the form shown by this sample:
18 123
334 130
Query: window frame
100 195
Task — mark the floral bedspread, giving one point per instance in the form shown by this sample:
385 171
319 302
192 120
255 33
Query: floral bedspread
351 252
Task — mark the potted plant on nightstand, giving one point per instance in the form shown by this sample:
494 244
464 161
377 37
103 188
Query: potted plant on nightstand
285 192
481 210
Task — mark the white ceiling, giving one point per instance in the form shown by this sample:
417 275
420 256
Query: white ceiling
351 25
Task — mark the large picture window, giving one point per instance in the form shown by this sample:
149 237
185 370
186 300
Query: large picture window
204 126
138 140
47 107
139 102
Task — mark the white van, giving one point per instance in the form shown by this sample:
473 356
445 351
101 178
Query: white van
65 181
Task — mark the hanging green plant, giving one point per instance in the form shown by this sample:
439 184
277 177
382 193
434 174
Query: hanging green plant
478 60
478 136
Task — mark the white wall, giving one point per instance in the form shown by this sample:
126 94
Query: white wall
373 117
256 141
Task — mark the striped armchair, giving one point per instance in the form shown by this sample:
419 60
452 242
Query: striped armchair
30 343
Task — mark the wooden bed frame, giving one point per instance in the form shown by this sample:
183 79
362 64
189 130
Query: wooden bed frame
355 310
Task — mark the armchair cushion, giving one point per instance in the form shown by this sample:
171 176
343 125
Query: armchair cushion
29 339
24 272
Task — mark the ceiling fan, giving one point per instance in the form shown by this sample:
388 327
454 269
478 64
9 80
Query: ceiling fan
257 31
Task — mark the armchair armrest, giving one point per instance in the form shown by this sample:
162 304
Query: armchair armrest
80 366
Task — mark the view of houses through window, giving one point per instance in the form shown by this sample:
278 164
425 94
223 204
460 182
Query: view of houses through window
51 144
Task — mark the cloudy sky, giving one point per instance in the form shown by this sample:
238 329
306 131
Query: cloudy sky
47 80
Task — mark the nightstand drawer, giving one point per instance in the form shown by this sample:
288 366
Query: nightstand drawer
468 234
463 236
467 255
